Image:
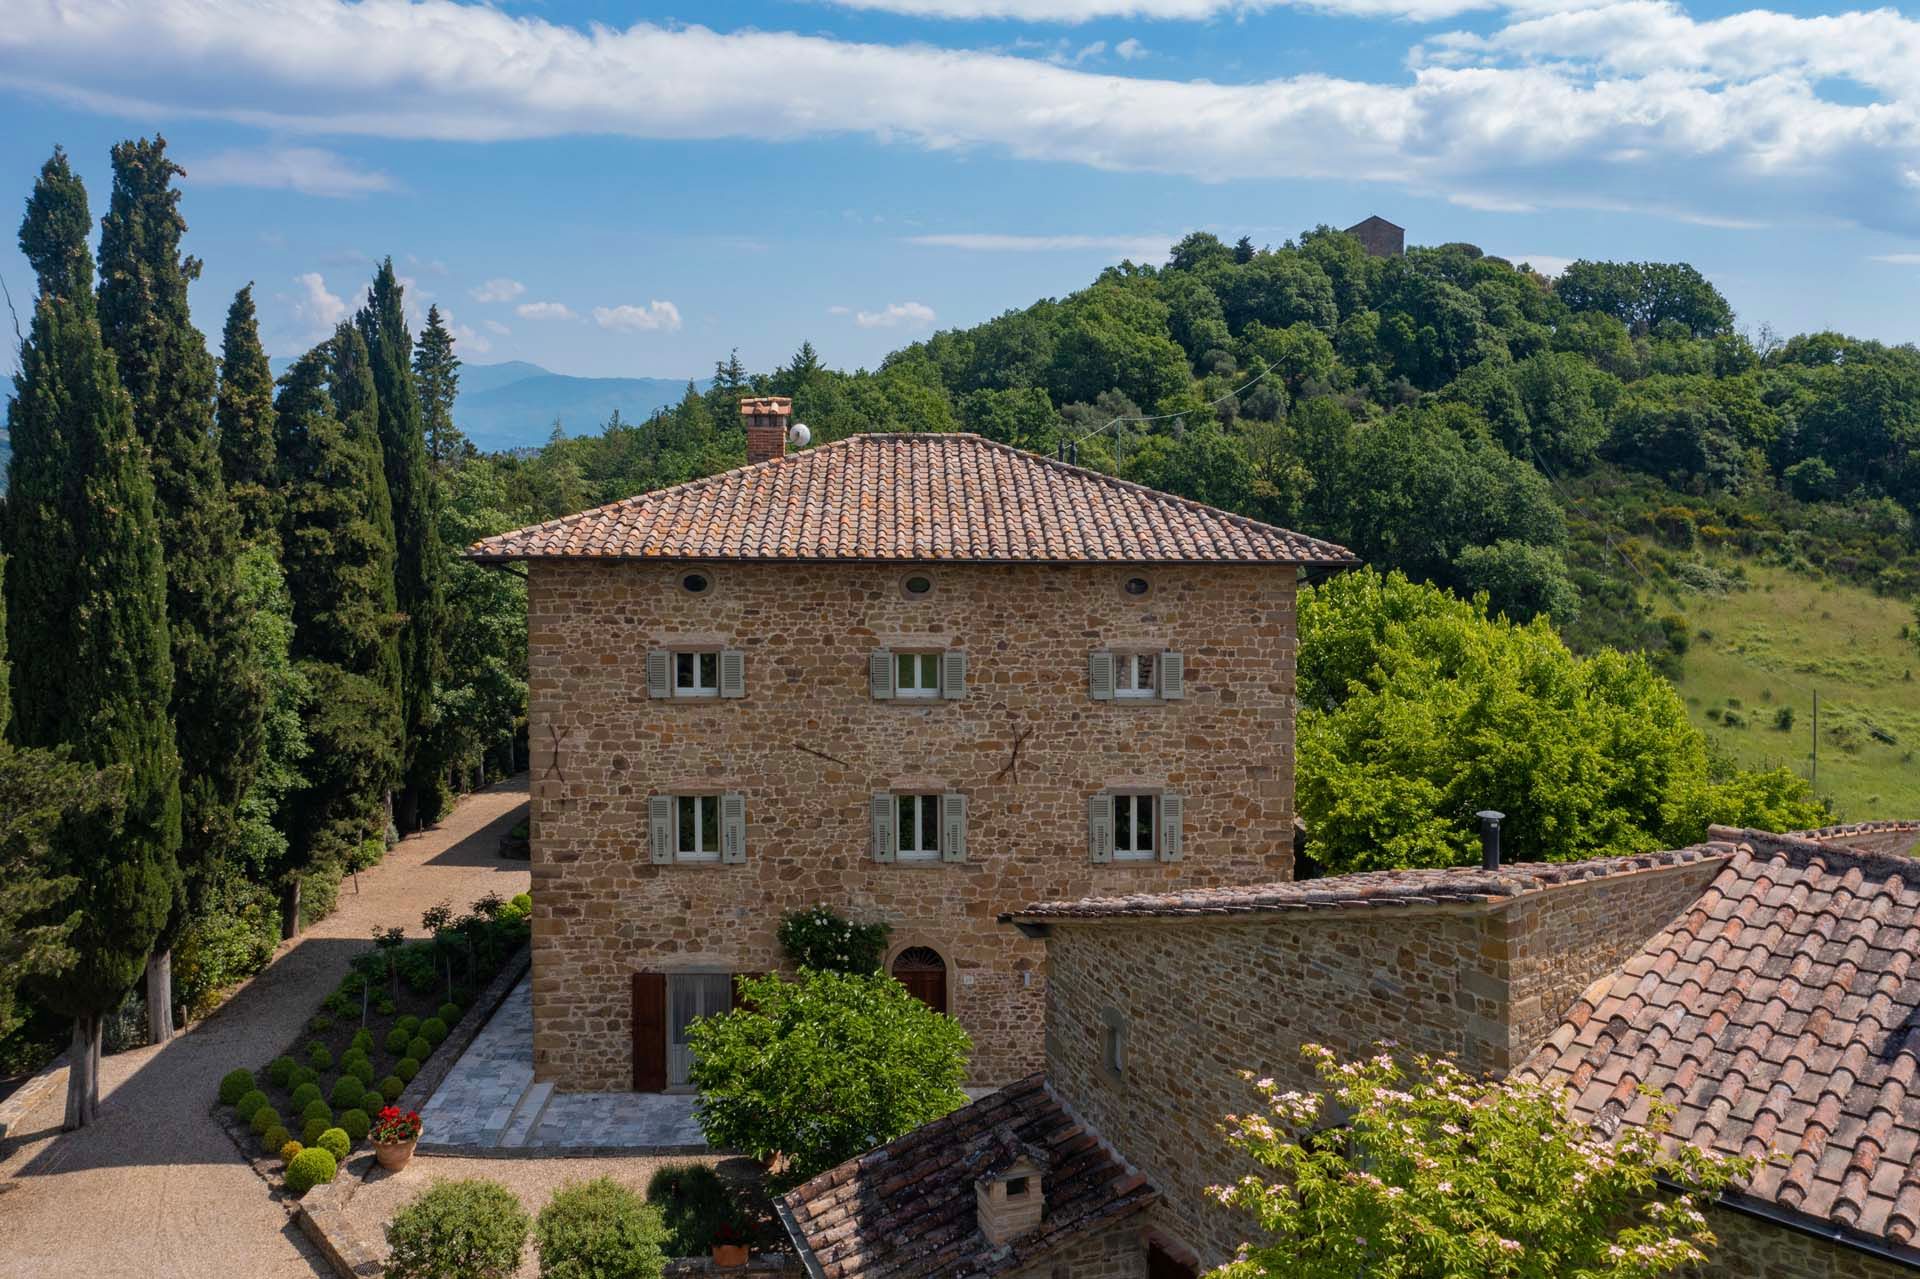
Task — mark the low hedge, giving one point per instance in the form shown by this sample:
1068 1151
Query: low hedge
599 1229
465 1229
355 1123
311 1130
336 1143
311 1167
234 1085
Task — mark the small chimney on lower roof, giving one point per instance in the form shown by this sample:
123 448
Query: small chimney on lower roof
765 417
1490 838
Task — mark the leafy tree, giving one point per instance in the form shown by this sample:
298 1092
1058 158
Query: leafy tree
1520 581
823 1068
1642 294
261 848
1432 1174
219 699
482 698
418 562
243 414
436 372
87 622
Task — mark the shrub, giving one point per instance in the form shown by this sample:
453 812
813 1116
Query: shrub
274 1138
303 1075
318 1057
317 1110
521 903
288 1149
385 1005
363 1040
363 1071
234 1085
355 1123
407 1068
335 1142
693 1204
320 1024
304 1095
1783 719
598 1230
282 1070
244 1108
434 1031
352 1056
311 1167
458 1230
409 1023
418 1048
264 1118
310 1131
448 1013
346 1092
391 1087
821 939
397 1040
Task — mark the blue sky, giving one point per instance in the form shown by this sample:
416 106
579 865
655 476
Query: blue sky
629 189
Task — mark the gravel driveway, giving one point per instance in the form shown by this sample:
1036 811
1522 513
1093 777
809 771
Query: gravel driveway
156 1190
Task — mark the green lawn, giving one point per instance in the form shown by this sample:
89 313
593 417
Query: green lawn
1760 653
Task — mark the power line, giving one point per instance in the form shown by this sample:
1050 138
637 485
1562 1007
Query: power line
1073 445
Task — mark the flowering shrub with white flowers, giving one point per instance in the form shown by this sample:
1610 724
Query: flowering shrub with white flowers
826 941
1432 1174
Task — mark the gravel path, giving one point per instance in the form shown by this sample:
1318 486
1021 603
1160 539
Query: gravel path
155 1189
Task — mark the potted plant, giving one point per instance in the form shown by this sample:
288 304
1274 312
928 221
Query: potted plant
394 1135
729 1246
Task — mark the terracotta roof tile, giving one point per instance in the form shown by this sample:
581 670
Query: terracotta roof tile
911 497
1801 1041
906 1210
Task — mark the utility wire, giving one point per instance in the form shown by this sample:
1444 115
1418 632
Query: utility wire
1265 372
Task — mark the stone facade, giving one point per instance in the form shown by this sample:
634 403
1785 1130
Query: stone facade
1750 1248
1118 1252
808 746
1196 1001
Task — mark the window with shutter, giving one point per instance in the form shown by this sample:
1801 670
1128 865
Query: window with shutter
1100 827
1134 827
883 826
1133 675
660 829
733 829
1173 676
1173 811
916 828
733 673
659 673
696 674
696 828
953 674
916 675
1100 675
880 674
953 835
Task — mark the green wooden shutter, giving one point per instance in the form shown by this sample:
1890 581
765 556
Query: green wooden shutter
659 673
733 828
880 673
1100 675
733 673
953 827
660 829
1100 827
883 826
953 674
1172 826
1173 676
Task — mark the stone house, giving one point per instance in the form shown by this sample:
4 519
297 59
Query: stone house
919 679
1379 237
1763 983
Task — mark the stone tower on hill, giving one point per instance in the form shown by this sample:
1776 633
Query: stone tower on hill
1381 238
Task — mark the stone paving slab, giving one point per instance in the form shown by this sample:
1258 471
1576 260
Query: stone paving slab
488 1103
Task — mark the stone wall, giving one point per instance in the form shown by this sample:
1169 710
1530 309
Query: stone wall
807 746
1114 1253
1201 1000
1753 1249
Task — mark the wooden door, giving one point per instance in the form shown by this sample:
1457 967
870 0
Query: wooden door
649 1032
924 974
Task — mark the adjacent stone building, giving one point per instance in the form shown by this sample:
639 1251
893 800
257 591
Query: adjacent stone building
1379 237
918 679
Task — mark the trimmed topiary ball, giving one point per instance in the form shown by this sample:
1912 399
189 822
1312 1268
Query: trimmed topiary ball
598 1229
275 1137
234 1085
355 1124
448 1013
303 1075
318 1058
304 1094
475 1229
264 1118
433 1030
391 1087
384 1005
363 1071
288 1150
282 1070
311 1130
317 1110
311 1167
407 1068
320 1023
335 1142
346 1092
397 1040
363 1040
244 1108
418 1048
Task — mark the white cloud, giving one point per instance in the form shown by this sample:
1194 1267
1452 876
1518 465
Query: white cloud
499 289
1144 248
471 340
307 170
1077 11
544 311
1898 259
317 308
1130 50
494 326
1556 105
653 317
1544 263
896 315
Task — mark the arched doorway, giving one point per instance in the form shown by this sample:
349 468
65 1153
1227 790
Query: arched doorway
921 970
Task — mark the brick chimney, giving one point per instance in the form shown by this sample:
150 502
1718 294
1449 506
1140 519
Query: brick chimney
765 417
1007 1191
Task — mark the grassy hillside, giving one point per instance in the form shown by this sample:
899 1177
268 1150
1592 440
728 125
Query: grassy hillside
1765 638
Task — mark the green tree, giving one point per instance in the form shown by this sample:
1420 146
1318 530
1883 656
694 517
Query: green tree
824 1068
418 562
1642 294
219 700
1422 1172
243 416
436 373
482 698
87 628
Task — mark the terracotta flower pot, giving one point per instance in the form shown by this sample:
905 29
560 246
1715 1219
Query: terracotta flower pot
393 1155
729 1255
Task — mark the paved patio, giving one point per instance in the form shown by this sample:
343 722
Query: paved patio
489 1102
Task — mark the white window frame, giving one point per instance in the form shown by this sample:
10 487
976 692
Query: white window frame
1127 669
702 832
1131 800
698 656
925 664
924 807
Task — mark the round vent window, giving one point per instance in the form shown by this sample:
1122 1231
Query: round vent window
918 584
696 583
1137 586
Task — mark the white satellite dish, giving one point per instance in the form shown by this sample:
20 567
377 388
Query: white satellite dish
798 434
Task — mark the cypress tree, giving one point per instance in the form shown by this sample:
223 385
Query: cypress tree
87 622
243 416
436 372
337 548
219 695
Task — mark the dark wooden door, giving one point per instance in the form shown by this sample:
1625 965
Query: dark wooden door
924 974
1162 1264
649 1032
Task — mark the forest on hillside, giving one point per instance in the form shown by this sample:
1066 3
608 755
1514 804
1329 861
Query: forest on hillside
243 652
